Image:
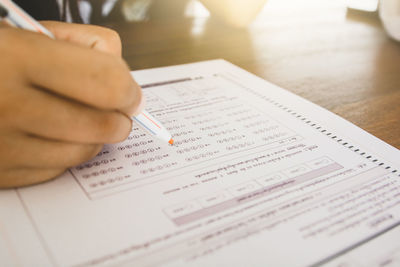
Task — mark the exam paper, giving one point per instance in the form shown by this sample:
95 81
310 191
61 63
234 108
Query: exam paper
257 177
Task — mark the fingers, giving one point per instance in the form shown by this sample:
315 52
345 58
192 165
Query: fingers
24 151
27 176
48 116
95 37
30 160
94 78
60 99
97 79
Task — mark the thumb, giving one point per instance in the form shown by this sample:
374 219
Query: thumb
95 37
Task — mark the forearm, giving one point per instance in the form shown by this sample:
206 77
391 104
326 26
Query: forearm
238 13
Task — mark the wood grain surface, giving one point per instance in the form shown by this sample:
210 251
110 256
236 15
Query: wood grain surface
339 59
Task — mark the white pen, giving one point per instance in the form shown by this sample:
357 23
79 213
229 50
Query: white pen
17 17
153 126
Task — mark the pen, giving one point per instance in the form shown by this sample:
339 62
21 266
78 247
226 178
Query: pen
17 17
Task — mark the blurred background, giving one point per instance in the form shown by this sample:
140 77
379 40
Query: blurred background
334 53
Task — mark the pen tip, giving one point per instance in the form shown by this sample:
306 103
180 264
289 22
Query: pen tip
171 141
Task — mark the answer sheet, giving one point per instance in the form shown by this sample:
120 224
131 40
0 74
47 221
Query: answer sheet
257 177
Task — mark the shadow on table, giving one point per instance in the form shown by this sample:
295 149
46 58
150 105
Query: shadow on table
177 41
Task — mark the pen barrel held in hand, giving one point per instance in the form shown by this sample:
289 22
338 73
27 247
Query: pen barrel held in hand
151 124
17 17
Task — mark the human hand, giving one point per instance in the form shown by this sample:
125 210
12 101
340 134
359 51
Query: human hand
61 100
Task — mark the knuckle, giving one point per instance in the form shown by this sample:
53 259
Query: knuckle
120 87
113 127
107 40
85 153
113 39
125 131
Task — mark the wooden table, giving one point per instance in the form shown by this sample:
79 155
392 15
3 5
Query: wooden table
340 60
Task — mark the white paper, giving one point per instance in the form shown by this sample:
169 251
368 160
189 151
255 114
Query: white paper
257 177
